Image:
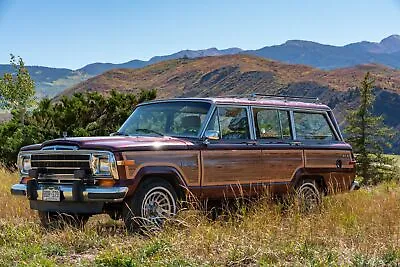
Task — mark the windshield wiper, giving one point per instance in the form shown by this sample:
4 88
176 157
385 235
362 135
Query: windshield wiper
119 134
148 131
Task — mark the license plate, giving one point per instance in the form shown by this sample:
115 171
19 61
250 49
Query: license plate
51 195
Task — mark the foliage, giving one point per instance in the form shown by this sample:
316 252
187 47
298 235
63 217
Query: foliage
369 135
89 114
340 234
17 89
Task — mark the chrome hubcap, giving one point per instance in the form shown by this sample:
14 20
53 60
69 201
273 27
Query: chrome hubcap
158 204
309 197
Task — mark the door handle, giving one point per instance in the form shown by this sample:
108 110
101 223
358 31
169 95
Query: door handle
251 143
295 143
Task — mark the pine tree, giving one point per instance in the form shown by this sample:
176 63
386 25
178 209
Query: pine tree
369 136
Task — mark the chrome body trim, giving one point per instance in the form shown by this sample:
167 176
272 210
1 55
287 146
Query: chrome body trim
97 193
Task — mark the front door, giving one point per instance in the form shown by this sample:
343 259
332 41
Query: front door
232 163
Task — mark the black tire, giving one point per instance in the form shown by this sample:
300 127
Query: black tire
55 220
308 195
154 201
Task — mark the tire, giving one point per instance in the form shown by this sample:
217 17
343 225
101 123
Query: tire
308 196
55 220
154 201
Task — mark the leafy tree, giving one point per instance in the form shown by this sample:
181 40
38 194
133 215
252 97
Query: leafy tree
369 136
17 89
88 114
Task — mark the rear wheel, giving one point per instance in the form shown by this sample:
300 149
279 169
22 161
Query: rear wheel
154 201
60 220
308 196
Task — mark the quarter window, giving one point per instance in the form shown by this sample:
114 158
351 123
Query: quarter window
312 126
231 123
272 123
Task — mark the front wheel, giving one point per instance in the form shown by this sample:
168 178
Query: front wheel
154 201
57 220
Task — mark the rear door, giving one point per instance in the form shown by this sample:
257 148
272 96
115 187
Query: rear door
282 157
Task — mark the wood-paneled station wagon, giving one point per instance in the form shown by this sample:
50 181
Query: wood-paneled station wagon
210 148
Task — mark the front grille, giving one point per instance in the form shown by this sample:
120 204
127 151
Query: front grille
59 166
57 161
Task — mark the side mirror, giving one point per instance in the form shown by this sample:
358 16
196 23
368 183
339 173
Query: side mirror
211 135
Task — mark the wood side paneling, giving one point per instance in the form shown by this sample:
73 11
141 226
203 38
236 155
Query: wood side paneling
327 158
186 162
281 165
221 167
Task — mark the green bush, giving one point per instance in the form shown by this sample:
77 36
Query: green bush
88 114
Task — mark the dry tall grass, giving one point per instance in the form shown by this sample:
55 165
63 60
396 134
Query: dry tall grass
358 228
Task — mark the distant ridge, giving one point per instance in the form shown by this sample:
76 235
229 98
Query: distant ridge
52 81
386 52
97 68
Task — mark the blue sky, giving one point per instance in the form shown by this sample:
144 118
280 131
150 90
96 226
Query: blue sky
74 33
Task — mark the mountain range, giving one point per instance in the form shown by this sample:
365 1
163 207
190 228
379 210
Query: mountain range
52 81
245 74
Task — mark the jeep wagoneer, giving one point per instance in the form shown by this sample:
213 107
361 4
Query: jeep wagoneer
210 148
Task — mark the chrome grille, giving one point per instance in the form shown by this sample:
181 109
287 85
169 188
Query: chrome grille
60 164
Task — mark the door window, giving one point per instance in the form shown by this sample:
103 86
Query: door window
312 126
231 123
272 123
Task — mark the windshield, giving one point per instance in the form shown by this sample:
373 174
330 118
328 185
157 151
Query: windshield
179 118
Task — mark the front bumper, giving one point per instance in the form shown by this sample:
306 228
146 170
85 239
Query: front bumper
73 193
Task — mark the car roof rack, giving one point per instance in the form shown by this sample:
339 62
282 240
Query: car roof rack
281 97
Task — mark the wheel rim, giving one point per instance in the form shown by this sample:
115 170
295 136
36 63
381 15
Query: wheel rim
309 197
158 204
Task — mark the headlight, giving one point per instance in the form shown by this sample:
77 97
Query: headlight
24 163
104 164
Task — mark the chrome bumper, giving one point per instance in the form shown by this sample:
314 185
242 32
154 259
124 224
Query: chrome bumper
89 194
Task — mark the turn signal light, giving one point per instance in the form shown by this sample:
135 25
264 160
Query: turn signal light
106 182
126 162
26 179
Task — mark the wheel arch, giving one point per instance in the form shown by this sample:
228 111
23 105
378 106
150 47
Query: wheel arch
302 175
168 173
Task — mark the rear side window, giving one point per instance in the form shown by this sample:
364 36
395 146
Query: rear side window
272 123
231 123
312 126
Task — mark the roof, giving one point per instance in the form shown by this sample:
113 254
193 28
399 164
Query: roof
251 101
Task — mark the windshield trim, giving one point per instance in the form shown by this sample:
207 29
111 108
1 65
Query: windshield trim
202 128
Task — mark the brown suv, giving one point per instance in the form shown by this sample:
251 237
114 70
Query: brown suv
209 148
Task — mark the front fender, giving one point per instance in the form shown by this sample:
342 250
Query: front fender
172 174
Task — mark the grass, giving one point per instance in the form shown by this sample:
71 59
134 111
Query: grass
359 228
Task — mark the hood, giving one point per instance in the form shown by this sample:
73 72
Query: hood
117 143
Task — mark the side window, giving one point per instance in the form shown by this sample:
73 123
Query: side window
214 123
312 126
272 124
231 123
